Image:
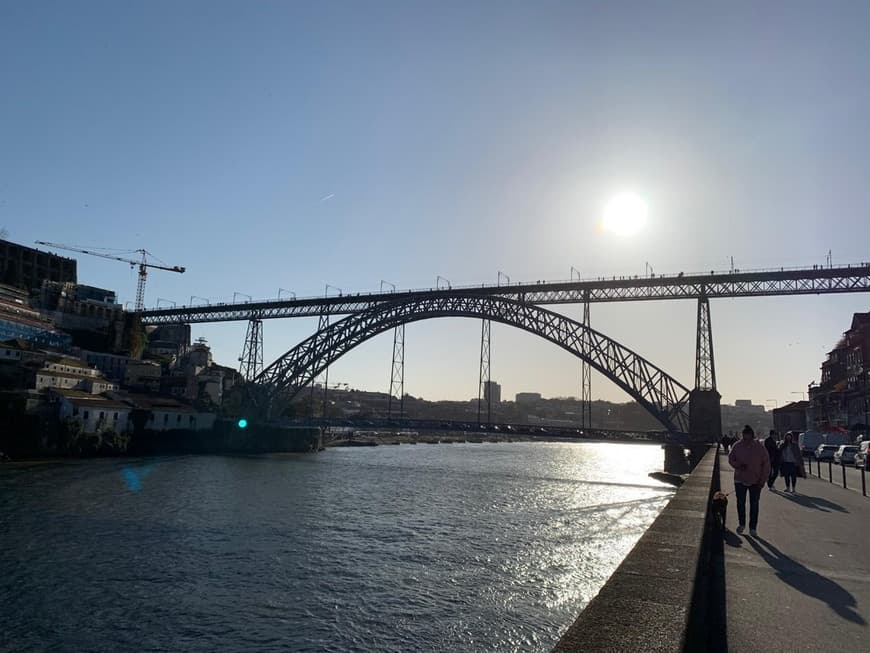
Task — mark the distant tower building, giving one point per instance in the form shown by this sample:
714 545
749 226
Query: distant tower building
492 389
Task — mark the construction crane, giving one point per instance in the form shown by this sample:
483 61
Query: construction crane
142 263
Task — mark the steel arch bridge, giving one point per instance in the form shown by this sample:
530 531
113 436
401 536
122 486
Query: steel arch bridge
660 394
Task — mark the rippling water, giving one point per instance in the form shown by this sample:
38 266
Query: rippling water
462 547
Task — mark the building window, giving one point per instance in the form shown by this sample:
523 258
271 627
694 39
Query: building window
178 421
85 415
166 418
115 417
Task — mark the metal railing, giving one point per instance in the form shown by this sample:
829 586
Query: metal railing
808 469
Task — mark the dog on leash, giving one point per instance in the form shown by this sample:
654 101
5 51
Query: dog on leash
719 505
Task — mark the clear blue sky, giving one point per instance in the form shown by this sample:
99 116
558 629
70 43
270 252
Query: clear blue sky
281 144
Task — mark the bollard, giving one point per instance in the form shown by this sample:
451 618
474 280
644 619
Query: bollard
863 482
818 468
830 472
843 466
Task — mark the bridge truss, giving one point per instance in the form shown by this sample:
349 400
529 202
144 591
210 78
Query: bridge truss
659 393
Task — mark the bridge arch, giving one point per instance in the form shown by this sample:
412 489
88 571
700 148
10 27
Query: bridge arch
660 394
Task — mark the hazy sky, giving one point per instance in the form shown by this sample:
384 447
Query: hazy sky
288 144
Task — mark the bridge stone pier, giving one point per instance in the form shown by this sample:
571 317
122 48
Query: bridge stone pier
705 422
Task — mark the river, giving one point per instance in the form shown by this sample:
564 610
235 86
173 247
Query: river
459 547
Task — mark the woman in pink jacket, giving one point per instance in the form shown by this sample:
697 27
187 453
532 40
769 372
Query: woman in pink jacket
751 466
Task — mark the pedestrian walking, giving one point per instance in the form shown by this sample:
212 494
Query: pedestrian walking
772 453
791 463
751 466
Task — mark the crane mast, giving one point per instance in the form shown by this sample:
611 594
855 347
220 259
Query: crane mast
142 263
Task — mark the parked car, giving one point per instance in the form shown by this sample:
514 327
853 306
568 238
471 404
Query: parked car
826 451
845 455
862 460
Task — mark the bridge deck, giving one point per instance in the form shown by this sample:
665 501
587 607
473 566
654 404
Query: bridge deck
760 283
804 583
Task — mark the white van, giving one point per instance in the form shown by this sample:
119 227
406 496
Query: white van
809 442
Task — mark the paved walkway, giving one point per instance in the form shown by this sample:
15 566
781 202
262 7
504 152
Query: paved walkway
804 583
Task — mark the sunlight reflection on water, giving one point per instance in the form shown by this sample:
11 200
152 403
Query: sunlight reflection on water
455 548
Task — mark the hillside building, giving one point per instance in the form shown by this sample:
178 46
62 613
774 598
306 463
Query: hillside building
26 268
842 397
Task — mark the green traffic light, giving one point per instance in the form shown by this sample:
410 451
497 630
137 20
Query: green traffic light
243 423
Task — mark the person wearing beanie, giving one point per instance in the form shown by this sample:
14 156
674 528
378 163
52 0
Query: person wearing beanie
751 466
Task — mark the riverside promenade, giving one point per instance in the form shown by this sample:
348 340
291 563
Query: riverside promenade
803 584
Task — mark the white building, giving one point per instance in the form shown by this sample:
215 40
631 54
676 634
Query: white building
168 414
94 414
212 384
87 383
171 418
70 366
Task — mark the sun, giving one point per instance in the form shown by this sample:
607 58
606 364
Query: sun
625 214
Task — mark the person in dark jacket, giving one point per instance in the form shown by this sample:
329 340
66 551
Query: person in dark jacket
791 462
773 452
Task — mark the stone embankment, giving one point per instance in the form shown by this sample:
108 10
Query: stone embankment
657 598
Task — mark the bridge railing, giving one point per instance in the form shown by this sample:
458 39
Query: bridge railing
859 476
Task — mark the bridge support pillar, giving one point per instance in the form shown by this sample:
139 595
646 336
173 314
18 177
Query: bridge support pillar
397 375
585 376
320 335
484 391
252 353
